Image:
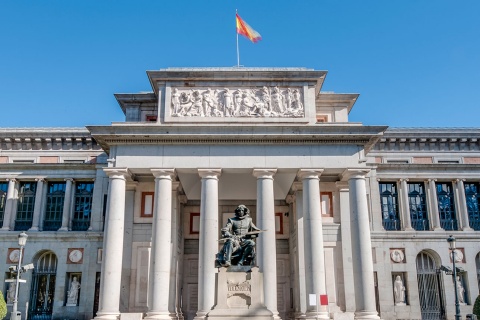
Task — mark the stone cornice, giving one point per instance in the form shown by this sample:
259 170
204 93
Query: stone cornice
330 99
454 142
164 134
47 139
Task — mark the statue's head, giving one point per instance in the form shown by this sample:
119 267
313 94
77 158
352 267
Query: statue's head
242 211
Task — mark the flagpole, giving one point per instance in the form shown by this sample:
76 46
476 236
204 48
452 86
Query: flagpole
238 50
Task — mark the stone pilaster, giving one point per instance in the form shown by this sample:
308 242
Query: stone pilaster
9 214
161 254
404 205
37 210
432 202
266 246
300 291
461 205
313 241
365 307
345 229
113 245
67 204
208 241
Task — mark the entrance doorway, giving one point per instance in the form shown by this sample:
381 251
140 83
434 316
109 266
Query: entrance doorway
430 287
43 287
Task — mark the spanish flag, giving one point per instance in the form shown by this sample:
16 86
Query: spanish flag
245 30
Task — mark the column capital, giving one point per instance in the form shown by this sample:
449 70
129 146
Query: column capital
43 180
403 179
290 198
458 180
264 173
297 186
309 173
210 173
182 198
131 185
354 173
163 173
69 179
431 180
176 186
342 186
11 179
118 173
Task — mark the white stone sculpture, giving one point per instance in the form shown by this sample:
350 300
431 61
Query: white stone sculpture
11 293
397 255
238 102
72 294
399 291
460 291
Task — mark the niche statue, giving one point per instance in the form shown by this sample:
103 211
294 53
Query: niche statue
238 236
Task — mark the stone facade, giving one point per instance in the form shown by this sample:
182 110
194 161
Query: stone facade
359 214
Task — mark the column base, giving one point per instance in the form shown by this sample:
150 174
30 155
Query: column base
5 229
438 229
33 229
409 229
107 316
160 315
63 229
467 229
201 315
361 315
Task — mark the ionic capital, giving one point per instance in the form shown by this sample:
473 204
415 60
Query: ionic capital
162 173
354 173
290 199
118 173
342 186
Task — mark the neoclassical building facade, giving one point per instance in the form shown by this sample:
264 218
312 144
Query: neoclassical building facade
131 213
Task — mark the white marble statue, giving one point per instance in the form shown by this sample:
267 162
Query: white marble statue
399 291
11 293
72 296
176 101
228 103
460 291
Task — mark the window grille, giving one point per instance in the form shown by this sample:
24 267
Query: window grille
25 206
446 206
389 205
83 206
417 205
3 199
54 209
473 204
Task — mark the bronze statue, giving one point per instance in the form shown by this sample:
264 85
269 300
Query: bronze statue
238 235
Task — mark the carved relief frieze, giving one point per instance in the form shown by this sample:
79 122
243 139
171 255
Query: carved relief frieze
275 102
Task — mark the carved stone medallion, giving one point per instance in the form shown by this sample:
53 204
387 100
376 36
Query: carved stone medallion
397 255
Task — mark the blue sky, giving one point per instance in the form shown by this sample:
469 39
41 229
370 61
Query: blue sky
414 63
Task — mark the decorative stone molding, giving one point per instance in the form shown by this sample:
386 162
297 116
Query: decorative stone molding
265 102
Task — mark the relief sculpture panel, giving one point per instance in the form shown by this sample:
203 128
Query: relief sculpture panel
275 102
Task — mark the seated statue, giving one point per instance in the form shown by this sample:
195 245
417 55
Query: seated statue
238 235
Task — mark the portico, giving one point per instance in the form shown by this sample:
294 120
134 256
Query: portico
196 168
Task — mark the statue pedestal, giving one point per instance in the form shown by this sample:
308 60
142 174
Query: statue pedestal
240 294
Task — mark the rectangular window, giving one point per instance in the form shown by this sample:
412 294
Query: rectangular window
446 206
473 204
3 199
389 205
25 205
418 206
326 204
147 205
83 206
54 210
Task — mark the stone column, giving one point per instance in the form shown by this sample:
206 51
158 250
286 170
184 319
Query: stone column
67 204
313 240
365 307
208 241
9 213
432 202
266 246
343 193
161 253
461 204
37 210
404 205
110 282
